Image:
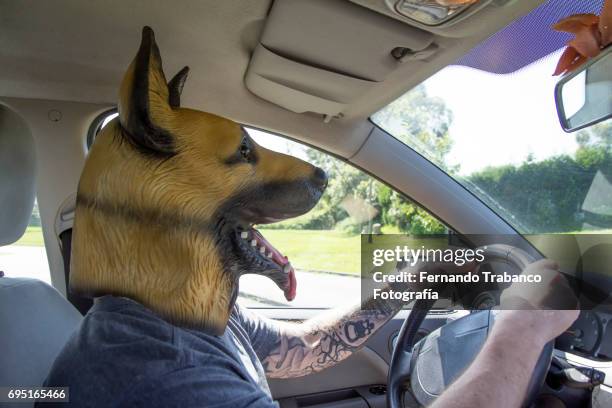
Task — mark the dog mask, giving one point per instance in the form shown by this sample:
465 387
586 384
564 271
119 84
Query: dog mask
168 198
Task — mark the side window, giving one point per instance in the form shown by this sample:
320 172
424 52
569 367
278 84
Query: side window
27 257
98 124
324 245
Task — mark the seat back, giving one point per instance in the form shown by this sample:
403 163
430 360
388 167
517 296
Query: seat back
35 320
35 323
17 176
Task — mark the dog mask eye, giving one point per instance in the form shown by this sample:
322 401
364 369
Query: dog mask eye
245 149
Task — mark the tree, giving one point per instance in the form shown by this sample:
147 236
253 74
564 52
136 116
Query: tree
599 135
595 144
344 181
422 122
414 118
548 196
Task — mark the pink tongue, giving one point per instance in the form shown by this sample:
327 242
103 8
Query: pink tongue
276 256
290 291
281 260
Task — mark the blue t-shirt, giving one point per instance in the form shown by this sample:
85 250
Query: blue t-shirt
124 355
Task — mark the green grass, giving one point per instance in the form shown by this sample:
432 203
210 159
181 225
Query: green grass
32 237
331 251
334 251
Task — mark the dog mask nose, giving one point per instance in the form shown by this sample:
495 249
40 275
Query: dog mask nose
320 178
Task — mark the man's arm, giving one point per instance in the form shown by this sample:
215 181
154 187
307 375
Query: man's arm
502 370
300 349
295 350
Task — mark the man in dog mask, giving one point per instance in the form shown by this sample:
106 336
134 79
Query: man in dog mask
163 231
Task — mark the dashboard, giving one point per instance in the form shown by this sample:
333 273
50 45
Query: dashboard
590 336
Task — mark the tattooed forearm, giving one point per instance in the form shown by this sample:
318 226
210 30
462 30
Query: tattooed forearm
320 343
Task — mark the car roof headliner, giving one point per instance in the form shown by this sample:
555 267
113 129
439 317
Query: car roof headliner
77 51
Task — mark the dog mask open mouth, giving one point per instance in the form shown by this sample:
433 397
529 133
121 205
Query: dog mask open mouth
266 260
264 204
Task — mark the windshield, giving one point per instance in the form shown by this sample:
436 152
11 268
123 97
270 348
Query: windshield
498 133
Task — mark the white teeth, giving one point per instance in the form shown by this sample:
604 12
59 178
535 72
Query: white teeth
287 268
262 250
244 235
253 243
269 255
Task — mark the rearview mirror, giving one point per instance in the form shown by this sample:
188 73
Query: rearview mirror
584 97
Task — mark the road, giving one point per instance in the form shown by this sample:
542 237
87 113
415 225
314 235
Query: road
313 289
25 261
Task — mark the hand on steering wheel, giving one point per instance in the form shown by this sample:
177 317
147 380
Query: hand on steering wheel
437 360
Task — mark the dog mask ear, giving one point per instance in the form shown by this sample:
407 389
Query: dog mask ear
175 87
144 101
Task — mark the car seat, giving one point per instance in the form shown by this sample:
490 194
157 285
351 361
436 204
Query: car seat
35 319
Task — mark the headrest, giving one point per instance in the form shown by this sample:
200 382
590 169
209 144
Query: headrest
17 176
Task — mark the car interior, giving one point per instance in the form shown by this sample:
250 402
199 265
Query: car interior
312 72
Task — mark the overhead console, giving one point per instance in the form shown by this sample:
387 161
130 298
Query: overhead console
321 55
428 13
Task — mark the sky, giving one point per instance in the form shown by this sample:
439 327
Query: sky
501 119
279 144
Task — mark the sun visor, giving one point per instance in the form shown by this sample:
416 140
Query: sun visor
321 55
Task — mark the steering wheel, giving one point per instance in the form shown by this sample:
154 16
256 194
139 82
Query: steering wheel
426 369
